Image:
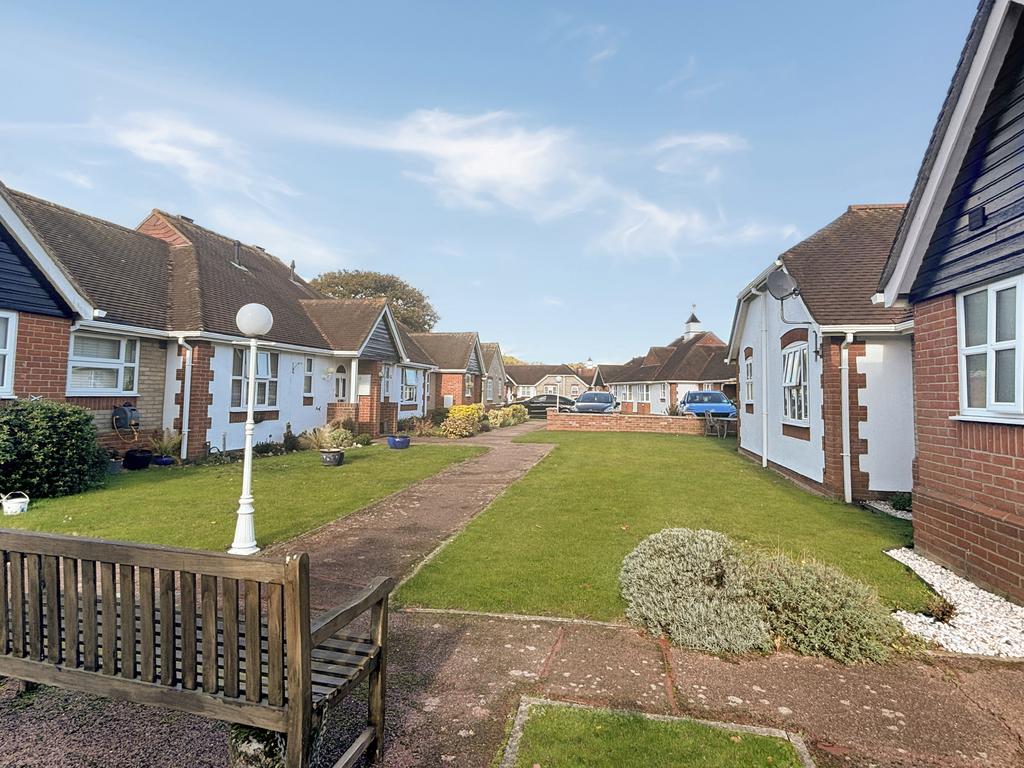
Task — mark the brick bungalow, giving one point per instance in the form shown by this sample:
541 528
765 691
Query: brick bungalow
458 377
539 379
655 382
495 389
825 385
104 316
958 263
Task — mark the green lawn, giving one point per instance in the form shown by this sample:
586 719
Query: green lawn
565 737
195 506
554 542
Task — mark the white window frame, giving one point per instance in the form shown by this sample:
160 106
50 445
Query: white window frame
467 386
8 350
386 374
989 349
643 393
795 390
550 389
408 390
267 396
307 378
490 389
120 366
574 390
748 370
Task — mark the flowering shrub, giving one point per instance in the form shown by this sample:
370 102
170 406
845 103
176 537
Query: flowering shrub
519 414
462 421
705 591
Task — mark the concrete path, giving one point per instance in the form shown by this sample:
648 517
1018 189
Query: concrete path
391 537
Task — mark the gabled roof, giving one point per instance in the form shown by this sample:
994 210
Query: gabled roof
345 323
413 350
837 267
490 350
983 52
118 270
449 351
530 375
699 358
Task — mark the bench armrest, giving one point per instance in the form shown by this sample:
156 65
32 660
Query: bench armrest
333 621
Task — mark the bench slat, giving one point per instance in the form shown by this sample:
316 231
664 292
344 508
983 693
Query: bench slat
168 671
34 607
5 646
129 654
208 585
275 644
229 595
147 626
72 656
108 621
188 631
89 627
51 579
253 683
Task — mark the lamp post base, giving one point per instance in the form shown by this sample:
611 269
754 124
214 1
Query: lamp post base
245 532
251 550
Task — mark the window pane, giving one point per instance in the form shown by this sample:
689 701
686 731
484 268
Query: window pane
272 393
261 393
977 380
4 325
309 365
93 346
128 381
1006 316
273 365
3 370
130 348
237 362
262 365
976 319
236 393
1006 375
93 378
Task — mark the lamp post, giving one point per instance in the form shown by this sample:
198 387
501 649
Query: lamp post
252 320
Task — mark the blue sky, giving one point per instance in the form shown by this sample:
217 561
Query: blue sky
565 178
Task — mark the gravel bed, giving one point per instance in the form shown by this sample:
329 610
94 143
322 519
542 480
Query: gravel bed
984 624
887 509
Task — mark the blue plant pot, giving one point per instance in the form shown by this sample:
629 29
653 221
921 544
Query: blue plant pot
394 441
163 461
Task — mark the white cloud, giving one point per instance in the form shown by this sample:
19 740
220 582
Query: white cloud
552 301
684 74
203 157
78 179
689 153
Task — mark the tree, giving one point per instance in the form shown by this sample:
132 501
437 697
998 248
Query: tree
512 360
410 305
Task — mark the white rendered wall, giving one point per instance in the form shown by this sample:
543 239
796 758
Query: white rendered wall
889 429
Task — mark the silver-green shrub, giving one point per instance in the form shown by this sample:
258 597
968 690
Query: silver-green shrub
817 610
692 586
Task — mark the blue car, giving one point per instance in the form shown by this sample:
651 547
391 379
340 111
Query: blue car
596 402
710 401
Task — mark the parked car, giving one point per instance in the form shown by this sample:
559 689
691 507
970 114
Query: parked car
709 401
538 405
596 402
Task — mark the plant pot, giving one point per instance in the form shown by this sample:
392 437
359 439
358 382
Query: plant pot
163 461
114 467
332 458
398 441
15 503
137 458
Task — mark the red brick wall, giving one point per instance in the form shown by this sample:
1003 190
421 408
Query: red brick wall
200 400
41 358
623 422
832 418
454 385
969 476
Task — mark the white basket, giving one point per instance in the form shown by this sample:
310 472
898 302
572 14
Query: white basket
15 502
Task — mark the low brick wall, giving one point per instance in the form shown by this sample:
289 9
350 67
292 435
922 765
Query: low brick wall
624 422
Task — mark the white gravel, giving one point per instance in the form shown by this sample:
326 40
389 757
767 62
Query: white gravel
984 624
886 508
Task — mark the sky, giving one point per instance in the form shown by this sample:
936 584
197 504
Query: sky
567 179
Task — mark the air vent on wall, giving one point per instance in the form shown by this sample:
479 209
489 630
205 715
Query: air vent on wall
976 218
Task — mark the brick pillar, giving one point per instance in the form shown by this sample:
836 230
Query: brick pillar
200 400
369 405
340 412
832 417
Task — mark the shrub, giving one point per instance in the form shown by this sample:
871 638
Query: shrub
349 425
165 443
49 449
268 448
704 591
437 416
407 424
363 439
326 438
462 421
519 414
290 441
692 586
901 502
940 609
817 610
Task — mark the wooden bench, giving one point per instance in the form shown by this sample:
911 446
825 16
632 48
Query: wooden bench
176 628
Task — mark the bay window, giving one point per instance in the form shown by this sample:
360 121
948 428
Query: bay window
8 341
794 383
991 358
102 365
408 385
266 379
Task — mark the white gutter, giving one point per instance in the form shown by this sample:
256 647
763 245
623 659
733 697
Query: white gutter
186 395
907 326
764 378
844 389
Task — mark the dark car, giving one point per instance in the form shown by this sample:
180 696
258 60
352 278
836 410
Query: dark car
538 405
708 401
596 402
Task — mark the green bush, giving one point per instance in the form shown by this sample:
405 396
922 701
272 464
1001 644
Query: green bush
901 502
437 416
408 424
290 441
692 586
268 448
49 449
460 424
704 591
817 610
519 414
363 439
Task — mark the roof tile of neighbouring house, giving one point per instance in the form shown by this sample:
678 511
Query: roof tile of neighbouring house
837 267
699 358
956 86
530 375
120 271
224 287
345 323
490 350
449 351
413 350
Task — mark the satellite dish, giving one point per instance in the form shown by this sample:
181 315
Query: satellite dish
781 285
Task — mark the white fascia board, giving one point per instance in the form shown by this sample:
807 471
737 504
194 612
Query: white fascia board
451 370
390 319
992 48
61 281
229 339
907 326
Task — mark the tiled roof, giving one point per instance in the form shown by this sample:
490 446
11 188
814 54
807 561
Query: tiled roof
345 323
413 350
449 351
490 349
699 358
121 271
837 267
528 375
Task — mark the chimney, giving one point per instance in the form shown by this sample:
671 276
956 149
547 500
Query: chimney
692 324
238 255
291 271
